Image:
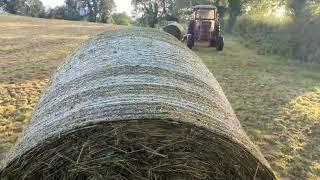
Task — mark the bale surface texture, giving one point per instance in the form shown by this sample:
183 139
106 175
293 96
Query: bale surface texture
134 104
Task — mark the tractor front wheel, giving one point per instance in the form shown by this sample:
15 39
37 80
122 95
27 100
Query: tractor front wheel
213 42
220 43
190 41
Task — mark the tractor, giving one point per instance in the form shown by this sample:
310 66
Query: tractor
204 26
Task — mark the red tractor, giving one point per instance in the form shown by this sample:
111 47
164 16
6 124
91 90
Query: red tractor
204 25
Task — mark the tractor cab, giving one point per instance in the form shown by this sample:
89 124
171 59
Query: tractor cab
202 12
204 25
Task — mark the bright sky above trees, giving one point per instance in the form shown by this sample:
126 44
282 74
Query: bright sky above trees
122 5
52 3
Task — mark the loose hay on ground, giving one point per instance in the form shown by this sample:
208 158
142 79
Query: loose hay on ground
134 104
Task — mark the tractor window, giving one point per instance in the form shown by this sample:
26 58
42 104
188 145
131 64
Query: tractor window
205 14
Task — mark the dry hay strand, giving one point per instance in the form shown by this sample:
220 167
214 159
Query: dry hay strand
153 149
134 104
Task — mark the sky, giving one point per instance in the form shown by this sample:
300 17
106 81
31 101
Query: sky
124 6
52 3
121 5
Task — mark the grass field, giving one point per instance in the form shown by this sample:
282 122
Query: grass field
30 50
276 100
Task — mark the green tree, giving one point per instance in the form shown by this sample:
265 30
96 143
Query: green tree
32 8
23 7
154 10
314 7
110 20
298 6
11 6
1 4
56 13
121 19
234 11
261 8
71 10
304 9
98 10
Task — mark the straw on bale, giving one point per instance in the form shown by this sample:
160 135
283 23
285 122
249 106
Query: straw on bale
134 104
175 29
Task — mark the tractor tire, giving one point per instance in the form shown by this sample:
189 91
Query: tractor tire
190 41
190 36
191 25
220 43
213 42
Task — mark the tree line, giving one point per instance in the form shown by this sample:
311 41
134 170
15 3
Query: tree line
93 10
150 12
288 28
153 11
89 10
32 8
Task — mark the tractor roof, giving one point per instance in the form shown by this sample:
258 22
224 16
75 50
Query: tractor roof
204 7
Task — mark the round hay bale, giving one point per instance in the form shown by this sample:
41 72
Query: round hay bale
134 104
175 29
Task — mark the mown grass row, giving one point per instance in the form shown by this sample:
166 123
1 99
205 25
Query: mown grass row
16 104
277 101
